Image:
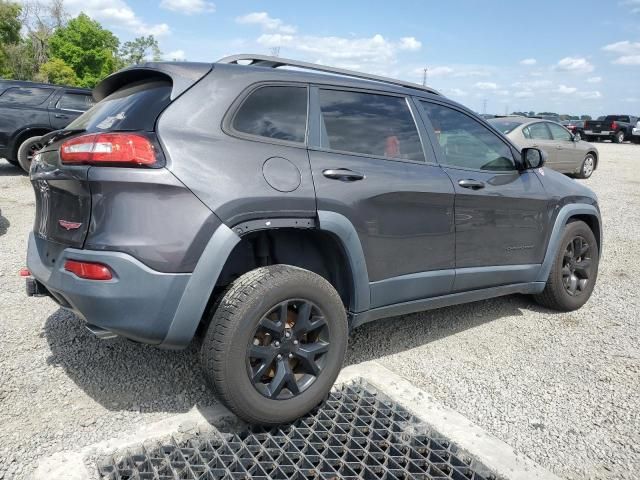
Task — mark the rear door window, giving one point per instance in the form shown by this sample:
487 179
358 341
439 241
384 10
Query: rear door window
133 107
26 95
559 133
76 102
369 124
278 112
539 131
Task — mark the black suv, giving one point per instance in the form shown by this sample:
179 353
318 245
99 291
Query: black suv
29 110
275 209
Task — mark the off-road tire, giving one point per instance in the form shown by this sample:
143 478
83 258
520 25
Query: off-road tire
618 137
25 152
555 295
231 331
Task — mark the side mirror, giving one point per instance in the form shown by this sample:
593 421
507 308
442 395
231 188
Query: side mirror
533 158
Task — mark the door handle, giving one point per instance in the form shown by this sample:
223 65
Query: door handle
343 174
472 184
60 115
558 147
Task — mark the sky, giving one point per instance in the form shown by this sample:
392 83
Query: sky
493 56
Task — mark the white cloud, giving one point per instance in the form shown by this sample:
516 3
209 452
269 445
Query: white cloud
532 84
590 95
116 14
629 52
628 60
265 21
575 64
373 54
486 85
523 94
409 43
188 7
634 4
528 61
566 90
457 92
594 80
175 55
437 71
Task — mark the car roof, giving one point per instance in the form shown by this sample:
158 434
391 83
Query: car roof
5 83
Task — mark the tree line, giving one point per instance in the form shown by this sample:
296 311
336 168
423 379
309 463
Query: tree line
41 42
552 114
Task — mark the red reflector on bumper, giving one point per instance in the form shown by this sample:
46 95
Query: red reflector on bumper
88 270
24 272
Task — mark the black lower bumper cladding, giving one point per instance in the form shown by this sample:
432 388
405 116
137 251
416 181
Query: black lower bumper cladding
355 433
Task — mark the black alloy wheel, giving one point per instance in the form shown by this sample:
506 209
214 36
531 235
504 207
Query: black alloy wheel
576 266
289 349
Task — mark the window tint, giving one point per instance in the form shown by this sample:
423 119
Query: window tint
26 95
274 112
133 107
558 132
526 132
466 142
75 101
369 124
504 126
539 131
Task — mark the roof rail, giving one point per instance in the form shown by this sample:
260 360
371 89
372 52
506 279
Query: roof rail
275 62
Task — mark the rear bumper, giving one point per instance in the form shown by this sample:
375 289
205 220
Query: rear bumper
138 303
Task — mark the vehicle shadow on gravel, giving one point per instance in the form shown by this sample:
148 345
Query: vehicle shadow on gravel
8 170
4 224
123 375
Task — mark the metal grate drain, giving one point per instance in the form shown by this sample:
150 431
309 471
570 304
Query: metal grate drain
355 433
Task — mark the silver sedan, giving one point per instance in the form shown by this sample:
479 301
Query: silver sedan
566 153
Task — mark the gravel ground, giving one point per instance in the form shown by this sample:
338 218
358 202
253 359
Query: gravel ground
563 389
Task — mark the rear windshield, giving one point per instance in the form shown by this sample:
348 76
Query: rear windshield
133 107
616 118
504 126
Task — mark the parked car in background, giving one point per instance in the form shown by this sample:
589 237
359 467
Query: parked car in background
617 128
30 110
635 133
566 152
274 209
576 127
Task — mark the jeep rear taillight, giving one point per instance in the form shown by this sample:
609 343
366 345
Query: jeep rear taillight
110 149
614 125
88 270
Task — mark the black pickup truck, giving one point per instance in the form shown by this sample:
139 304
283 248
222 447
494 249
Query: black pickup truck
29 110
617 128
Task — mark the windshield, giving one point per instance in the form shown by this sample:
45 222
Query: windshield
133 107
504 126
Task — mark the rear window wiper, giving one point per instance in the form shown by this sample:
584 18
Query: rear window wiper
59 134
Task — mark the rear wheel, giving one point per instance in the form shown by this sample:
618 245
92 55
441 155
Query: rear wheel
588 166
574 271
275 344
27 150
618 137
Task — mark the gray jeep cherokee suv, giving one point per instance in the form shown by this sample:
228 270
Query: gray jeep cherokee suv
274 209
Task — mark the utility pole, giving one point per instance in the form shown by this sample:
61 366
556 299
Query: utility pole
424 76
484 106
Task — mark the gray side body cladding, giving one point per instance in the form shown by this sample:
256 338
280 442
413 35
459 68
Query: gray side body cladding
199 288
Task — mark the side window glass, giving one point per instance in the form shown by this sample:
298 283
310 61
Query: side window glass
526 133
539 131
26 95
278 112
75 101
370 124
559 133
466 142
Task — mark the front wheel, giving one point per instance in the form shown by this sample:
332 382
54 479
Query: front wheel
27 150
618 137
588 166
275 344
574 271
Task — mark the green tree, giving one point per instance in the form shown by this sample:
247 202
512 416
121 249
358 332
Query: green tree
9 22
140 49
585 117
86 47
56 71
